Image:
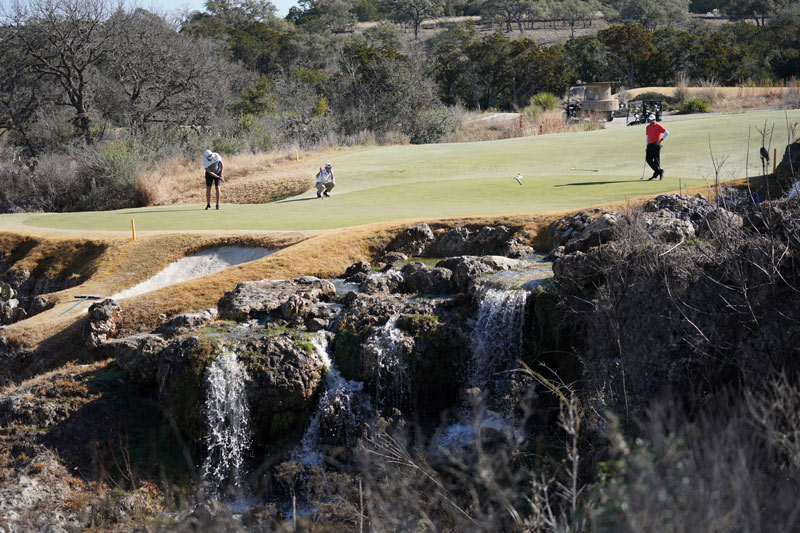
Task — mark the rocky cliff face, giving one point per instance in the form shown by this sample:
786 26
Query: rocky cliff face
682 296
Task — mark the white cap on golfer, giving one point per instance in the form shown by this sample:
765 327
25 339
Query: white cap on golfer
651 117
207 154
328 165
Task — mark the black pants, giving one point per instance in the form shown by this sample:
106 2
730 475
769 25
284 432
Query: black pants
653 157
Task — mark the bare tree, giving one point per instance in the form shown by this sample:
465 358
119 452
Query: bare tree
64 42
159 76
416 11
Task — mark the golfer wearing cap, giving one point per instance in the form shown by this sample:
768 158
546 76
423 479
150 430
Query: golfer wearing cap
325 180
656 133
212 162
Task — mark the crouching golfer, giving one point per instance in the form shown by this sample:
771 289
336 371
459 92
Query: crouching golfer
325 180
212 162
656 133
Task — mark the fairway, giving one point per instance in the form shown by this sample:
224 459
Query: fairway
452 180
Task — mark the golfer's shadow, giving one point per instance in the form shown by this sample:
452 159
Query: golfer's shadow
296 200
592 183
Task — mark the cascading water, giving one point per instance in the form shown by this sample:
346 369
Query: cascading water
497 337
337 403
496 347
227 420
388 345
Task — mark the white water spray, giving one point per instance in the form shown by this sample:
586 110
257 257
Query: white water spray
337 401
388 345
227 420
497 336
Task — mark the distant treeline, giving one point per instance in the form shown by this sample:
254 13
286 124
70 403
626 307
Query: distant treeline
114 90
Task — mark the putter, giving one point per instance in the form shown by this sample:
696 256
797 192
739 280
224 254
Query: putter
643 165
585 169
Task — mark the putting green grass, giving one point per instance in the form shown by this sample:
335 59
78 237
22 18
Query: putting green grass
450 180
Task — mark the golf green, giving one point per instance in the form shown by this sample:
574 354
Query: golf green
565 171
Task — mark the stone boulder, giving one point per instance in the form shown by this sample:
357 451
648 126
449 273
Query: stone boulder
579 271
260 299
420 279
180 324
10 312
39 304
681 206
392 257
137 356
668 229
101 324
517 247
412 241
676 217
391 281
462 240
283 375
357 278
296 308
180 380
466 269
356 268
584 230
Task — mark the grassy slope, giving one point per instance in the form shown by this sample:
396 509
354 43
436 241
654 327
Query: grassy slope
444 180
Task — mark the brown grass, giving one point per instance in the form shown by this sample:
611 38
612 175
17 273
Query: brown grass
250 178
730 98
475 127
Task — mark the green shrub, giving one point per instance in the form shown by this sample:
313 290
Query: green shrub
430 125
113 170
545 101
695 105
229 144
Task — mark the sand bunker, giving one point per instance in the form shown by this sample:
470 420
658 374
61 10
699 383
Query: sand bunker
195 266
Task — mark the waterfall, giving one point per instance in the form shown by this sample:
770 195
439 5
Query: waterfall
227 420
388 345
496 338
335 414
496 347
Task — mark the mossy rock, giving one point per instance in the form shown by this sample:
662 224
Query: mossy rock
437 363
347 346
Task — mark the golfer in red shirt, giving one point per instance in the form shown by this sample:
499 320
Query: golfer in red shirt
656 133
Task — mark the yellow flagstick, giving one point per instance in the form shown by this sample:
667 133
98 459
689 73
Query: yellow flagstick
133 231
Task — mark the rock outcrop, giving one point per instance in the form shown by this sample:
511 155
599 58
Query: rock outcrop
137 356
186 322
466 269
260 299
101 324
420 279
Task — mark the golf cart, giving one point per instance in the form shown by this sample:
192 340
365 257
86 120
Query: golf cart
592 100
639 110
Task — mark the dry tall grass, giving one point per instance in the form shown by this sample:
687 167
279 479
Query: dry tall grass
178 180
725 99
474 127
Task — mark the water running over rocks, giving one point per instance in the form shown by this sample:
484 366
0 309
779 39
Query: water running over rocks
336 414
496 338
388 346
227 419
